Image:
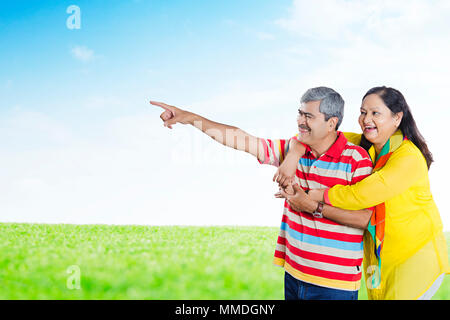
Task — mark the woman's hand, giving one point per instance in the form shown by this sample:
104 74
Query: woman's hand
317 194
299 201
286 171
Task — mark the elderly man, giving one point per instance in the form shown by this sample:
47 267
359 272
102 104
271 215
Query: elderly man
322 258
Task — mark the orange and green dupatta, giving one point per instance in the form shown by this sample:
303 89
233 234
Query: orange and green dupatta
376 224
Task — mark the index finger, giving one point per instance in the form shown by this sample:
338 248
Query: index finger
163 105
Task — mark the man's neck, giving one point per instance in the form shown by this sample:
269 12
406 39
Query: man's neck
321 147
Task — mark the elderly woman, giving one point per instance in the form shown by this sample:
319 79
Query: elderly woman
405 253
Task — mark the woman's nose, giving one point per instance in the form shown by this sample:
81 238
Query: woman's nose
367 119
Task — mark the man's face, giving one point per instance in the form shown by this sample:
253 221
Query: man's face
312 126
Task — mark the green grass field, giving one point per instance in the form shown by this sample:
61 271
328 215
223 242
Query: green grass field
142 262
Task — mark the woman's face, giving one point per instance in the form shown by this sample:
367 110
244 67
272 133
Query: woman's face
377 121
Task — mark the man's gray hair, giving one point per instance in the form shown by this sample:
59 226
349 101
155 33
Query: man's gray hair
331 102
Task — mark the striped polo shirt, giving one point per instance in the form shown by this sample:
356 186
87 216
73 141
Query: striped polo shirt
318 250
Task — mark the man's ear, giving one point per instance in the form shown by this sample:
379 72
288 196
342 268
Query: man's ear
332 123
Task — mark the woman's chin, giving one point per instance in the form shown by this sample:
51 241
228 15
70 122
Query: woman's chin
370 136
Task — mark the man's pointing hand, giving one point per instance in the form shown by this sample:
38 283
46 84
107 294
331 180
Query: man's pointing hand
172 115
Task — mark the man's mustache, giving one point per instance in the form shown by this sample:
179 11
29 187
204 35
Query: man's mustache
304 127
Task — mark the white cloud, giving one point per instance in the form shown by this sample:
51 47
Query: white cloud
265 36
100 102
24 128
323 18
82 53
378 20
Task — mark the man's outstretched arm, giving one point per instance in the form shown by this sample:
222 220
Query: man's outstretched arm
229 136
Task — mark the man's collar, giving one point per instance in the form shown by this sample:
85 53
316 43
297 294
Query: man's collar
336 148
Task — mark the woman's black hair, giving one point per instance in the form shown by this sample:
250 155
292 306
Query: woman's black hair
396 102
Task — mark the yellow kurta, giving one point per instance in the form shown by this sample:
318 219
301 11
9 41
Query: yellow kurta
414 251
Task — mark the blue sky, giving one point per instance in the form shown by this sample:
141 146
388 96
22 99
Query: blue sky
81 144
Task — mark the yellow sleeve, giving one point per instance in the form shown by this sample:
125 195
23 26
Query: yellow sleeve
352 137
405 166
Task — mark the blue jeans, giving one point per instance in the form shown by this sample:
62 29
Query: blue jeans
295 289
